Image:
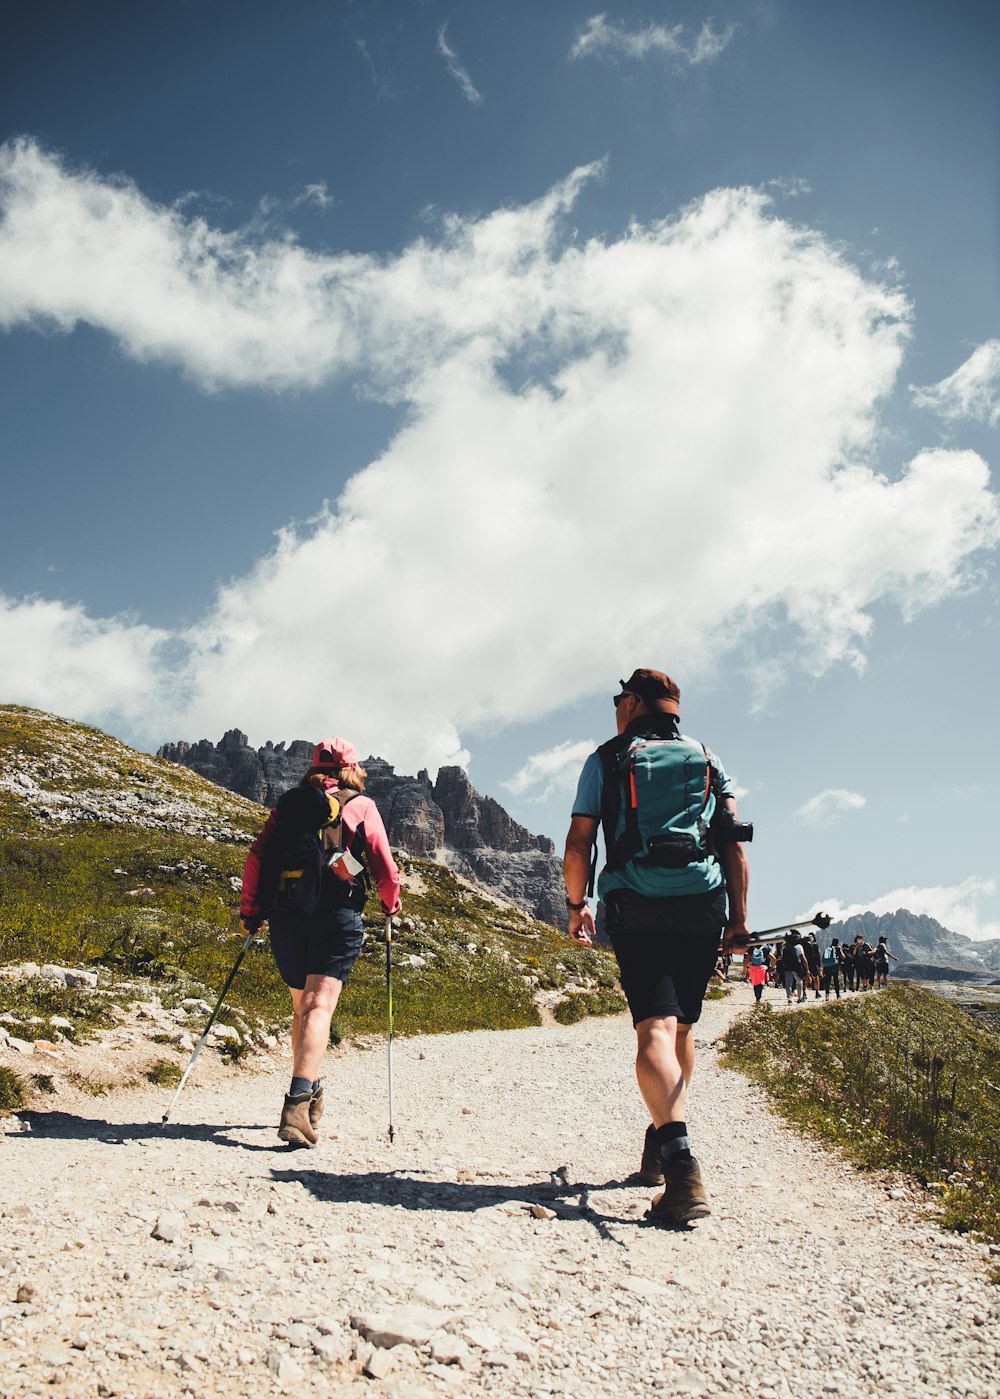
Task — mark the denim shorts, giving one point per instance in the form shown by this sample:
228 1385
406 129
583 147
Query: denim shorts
315 944
666 950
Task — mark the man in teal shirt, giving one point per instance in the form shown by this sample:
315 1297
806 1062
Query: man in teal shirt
672 889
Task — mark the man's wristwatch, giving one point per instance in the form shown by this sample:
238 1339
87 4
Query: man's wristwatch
575 907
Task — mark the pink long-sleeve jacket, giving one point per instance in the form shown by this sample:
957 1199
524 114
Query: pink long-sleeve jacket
360 813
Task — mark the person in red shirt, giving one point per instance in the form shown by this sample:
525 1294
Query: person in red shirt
315 951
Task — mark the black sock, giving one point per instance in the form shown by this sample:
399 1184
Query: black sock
674 1144
317 1084
301 1087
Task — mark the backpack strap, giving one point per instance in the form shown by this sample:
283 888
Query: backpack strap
611 796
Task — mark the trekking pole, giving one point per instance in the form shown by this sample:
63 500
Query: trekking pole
388 987
211 1021
821 921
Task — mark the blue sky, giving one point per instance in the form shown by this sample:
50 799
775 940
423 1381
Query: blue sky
415 370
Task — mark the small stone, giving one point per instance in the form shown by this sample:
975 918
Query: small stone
168 1226
27 1292
500 1359
432 1294
380 1364
538 1211
80 978
412 1326
204 1251
332 1349
450 1350
284 1369
482 1337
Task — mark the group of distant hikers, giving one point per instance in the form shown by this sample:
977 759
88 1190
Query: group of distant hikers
674 888
797 966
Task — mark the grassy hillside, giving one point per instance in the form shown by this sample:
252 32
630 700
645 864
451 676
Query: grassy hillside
111 858
900 1080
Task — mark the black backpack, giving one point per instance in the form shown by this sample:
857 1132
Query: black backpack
308 829
792 956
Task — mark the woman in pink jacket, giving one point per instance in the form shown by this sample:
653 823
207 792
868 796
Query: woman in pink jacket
315 950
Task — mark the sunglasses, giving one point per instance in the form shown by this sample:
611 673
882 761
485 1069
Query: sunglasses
626 694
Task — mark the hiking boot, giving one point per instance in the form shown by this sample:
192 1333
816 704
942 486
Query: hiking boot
295 1127
684 1198
316 1106
650 1170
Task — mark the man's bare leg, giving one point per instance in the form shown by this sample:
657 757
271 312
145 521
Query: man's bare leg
659 1068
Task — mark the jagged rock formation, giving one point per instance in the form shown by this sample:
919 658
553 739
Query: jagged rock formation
261 774
446 820
921 943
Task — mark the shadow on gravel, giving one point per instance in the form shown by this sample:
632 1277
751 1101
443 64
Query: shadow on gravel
413 1192
67 1126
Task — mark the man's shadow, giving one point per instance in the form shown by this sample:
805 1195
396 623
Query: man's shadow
414 1190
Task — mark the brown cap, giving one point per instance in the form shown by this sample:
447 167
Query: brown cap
656 690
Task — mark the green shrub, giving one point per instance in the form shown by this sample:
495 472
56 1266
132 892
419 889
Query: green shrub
164 1073
11 1090
579 1004
900 1080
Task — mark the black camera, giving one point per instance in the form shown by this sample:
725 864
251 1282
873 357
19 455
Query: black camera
726 828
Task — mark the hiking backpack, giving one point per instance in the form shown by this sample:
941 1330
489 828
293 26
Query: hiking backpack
792 957
830 958
308 832
663 785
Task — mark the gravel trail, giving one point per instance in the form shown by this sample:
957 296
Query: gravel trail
293 1272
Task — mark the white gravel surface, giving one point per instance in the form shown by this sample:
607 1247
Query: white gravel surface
206 1258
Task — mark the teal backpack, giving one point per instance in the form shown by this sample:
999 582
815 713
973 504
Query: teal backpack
657 802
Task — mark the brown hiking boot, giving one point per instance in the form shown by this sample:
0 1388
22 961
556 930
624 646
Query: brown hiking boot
650 1170
316 1106
295 1127
684 1198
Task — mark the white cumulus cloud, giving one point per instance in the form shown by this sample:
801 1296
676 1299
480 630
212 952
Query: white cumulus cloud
829 806
963 908
546 774
711 381
52 654
972 393
603 38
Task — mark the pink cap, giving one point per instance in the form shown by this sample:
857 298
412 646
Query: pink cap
334 753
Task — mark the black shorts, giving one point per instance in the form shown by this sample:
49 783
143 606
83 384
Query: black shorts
315 944
666 950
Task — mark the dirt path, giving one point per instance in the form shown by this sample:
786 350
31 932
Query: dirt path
807 1279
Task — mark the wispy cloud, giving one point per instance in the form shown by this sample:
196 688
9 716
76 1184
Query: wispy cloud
456 69
963 908
829 806
555 770
317 195
602 38
972 393
724 323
